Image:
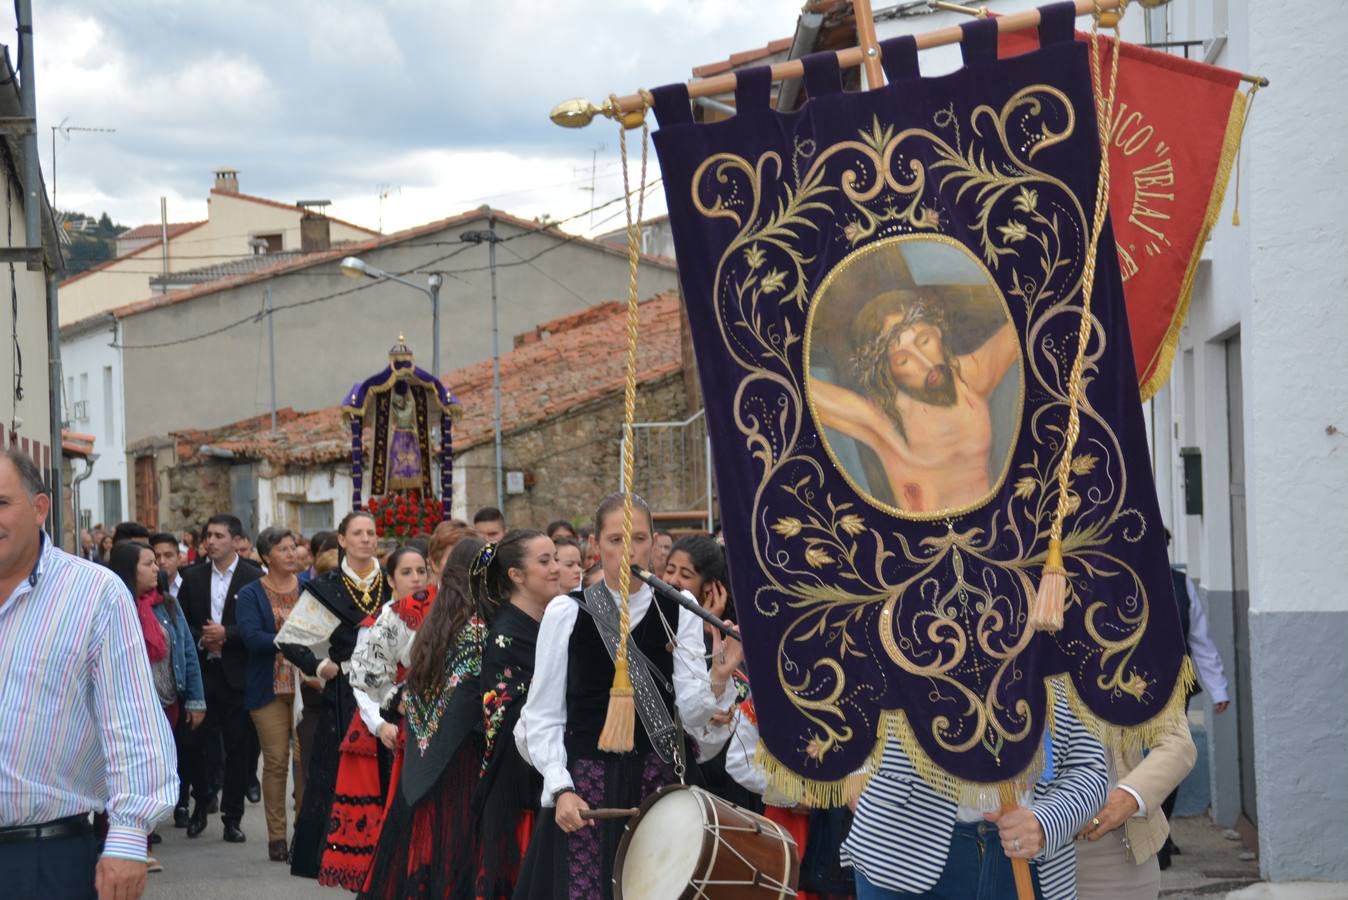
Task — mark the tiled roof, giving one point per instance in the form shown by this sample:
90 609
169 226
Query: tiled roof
744 58
75 443
148 232
156 301
290 206
580 360
244 265
184 227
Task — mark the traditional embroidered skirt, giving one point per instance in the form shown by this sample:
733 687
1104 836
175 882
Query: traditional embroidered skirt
429 850
357 810
579 866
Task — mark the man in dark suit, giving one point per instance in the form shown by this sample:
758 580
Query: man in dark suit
207 597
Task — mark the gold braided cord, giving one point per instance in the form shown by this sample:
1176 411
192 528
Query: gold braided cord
630 387
1104 114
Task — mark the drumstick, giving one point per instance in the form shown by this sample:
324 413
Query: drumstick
607 813
1020 868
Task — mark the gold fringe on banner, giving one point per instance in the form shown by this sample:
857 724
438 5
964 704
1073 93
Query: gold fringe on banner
790 786
1165 353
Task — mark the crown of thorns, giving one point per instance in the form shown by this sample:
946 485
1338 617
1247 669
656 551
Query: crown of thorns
870 353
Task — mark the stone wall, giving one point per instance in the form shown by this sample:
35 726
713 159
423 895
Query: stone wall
570 462
195 492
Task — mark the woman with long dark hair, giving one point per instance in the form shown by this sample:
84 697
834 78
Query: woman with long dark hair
168 640
426 832
696 565
525 575
330 611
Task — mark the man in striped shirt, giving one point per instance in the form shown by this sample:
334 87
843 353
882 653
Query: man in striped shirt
81 729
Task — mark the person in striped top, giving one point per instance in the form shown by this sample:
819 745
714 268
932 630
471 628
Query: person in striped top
83 729
952 852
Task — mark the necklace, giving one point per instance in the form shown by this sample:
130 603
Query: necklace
360 587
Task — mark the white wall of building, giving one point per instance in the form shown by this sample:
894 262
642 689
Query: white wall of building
279 498
92 403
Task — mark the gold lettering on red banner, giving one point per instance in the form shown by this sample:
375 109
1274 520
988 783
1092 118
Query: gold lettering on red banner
1151 186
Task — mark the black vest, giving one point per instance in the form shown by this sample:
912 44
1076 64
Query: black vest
589 676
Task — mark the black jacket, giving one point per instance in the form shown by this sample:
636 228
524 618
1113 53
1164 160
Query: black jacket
195 598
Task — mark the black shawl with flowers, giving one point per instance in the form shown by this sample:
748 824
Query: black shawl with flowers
438 723
509 786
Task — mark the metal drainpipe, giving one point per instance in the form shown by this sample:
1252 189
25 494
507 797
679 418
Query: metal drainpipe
54 376
32 173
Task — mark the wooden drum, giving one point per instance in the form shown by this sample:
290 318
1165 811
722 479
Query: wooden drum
688 844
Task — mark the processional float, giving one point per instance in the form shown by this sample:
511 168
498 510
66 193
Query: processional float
409 417
927 429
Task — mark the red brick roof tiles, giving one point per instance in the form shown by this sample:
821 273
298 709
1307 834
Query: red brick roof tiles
355 249
143 232
573 365
744 58
183 228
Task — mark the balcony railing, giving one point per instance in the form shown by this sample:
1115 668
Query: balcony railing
672 470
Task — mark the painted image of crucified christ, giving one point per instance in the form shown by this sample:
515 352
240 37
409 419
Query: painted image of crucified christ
915 396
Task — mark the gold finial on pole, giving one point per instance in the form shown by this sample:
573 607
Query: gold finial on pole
579 112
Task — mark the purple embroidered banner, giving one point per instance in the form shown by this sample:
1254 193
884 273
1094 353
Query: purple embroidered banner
884 287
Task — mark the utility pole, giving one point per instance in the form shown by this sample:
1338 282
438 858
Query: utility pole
491 239
163 239
271 355
495 363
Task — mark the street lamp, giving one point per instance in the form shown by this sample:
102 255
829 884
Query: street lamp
491 239
355 267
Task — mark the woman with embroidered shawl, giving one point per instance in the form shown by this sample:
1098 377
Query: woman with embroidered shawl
336 602
367 755
426 838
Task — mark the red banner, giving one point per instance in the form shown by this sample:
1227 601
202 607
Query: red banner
1173 141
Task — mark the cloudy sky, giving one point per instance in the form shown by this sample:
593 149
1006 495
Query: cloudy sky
443 103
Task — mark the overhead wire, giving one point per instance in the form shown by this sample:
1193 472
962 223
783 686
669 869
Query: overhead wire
418 270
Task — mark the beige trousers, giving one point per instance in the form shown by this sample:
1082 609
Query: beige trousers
274 732
1106 871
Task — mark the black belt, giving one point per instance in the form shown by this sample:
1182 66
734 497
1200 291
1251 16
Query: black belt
70 826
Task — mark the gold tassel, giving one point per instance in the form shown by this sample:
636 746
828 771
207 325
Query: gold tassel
1046 610
620 724
1049 601
619 733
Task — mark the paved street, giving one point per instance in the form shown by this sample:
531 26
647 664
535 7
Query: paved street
209 869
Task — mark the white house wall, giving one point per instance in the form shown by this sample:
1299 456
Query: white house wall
85 356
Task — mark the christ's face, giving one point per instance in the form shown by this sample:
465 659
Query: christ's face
918 363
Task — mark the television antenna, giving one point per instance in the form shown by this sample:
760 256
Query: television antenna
65 131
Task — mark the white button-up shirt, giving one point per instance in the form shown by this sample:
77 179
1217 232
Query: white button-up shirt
220 591
540 734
